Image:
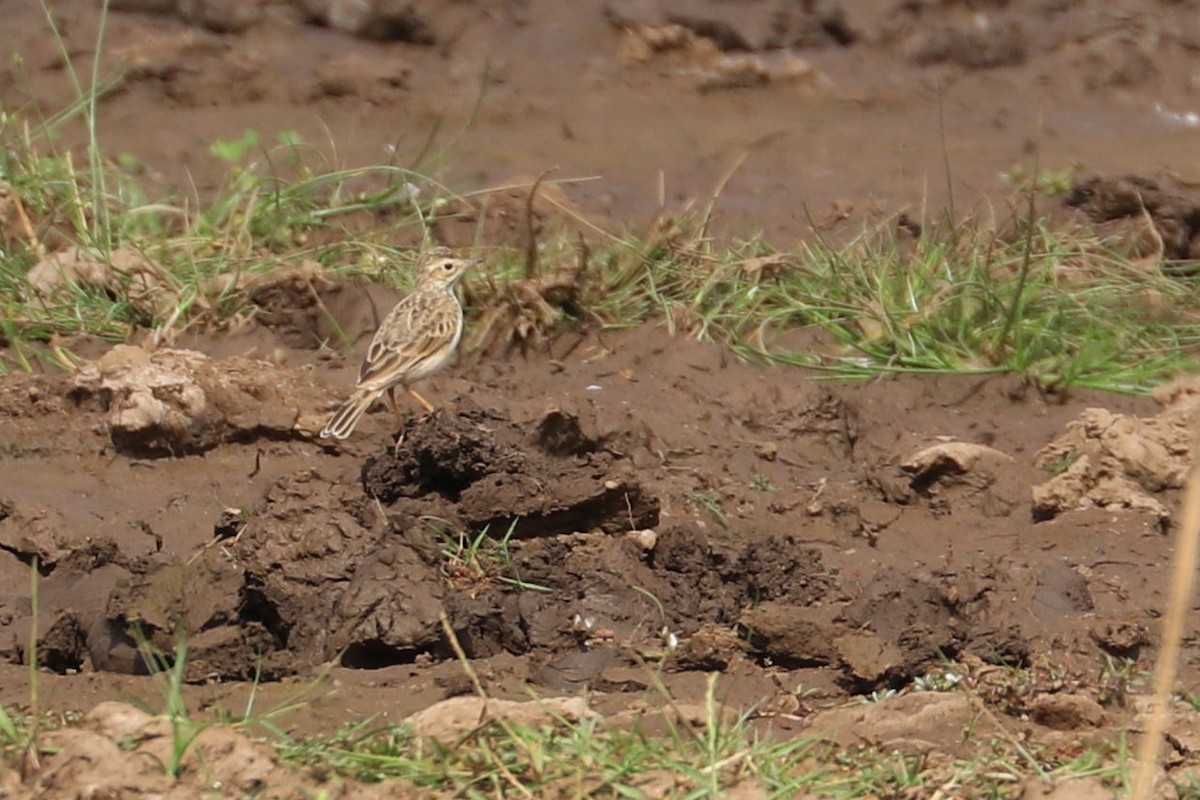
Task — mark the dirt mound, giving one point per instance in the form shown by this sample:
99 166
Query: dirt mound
553 479
173 402
566 558
1155 217
1115 461
322 566
118 751
770 26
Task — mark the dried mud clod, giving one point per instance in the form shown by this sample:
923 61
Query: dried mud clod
714 56
964 44
946 477
1157 217
122 272
1115 461
546 481
323 567
781 26
118 750
902 625
177 402
528 312
946 459
40 535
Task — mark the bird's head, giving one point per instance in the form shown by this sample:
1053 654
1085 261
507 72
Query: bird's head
441 267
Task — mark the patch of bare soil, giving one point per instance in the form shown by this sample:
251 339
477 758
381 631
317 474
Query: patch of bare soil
847 108
647 502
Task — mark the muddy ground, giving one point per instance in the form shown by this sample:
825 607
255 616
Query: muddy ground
666 507
669 509
817 111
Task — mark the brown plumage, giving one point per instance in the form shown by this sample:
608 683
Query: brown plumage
415 340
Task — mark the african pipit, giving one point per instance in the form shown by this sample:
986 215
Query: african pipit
415 340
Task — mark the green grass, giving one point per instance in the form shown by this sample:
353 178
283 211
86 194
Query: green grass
591 759
477 559
954 302
703 758
168 674
761 483
168 265
709 503
13 734
1059 308
583 759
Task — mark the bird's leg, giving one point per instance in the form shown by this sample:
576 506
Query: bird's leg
428 405
393 405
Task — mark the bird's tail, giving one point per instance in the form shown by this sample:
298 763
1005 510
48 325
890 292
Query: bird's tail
342 423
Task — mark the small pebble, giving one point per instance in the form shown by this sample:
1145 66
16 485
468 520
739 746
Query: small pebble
767 451
645 539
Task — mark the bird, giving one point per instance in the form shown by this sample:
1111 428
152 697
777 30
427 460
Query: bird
415 340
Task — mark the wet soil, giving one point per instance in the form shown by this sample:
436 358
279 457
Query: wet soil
820 112
649 502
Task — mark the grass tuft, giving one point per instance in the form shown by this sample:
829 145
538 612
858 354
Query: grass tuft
1059 308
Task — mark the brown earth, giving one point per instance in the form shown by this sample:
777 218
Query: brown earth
665 505
829 110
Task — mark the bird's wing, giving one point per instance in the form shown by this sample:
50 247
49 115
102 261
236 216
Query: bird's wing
418 327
